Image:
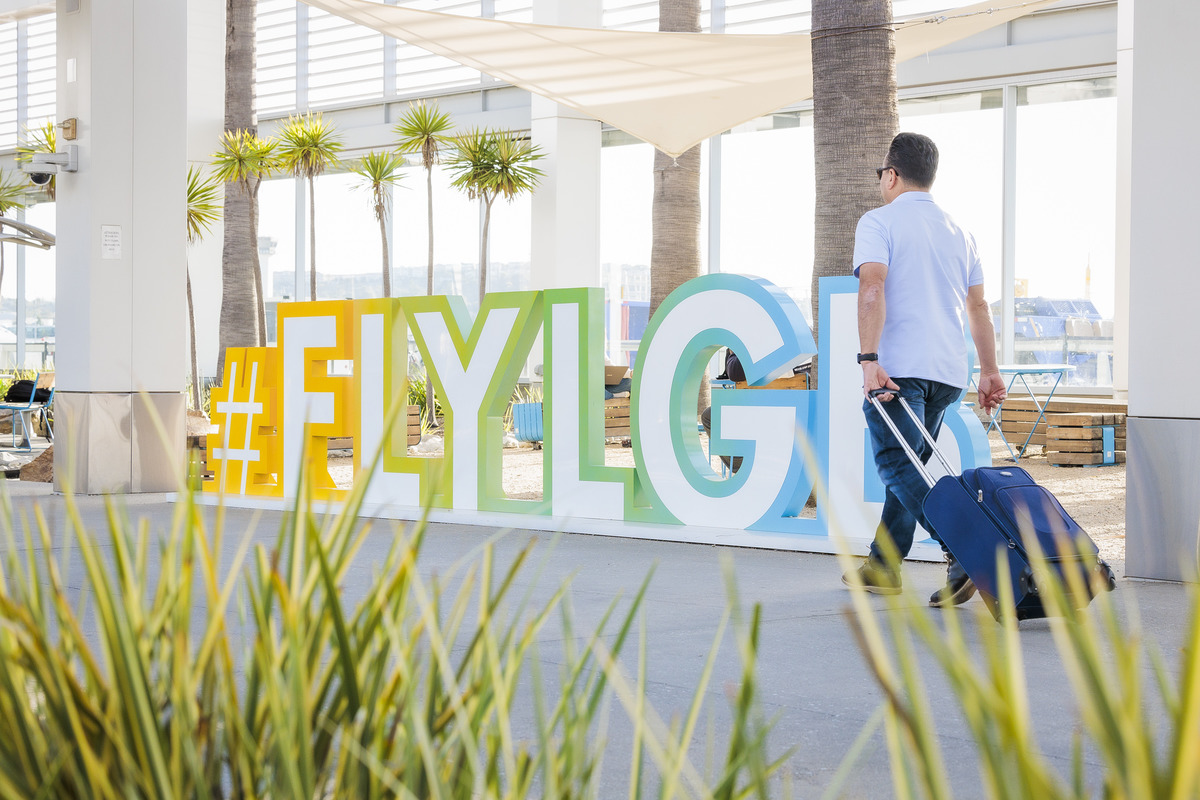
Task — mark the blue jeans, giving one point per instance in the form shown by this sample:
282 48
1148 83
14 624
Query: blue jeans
906 489
624 385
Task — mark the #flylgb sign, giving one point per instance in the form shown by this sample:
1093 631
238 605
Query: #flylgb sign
278 405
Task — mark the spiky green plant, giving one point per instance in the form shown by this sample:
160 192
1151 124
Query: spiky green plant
1105 662
39 139
410 692
487 164
246 160
425 129
203 211
380 171
308 145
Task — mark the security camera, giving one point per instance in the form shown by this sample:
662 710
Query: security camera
42 165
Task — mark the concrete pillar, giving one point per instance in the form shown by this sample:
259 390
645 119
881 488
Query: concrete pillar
566 205
206 121
121 321
1162 520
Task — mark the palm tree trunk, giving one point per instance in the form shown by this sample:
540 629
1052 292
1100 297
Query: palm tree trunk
237 323
483 241
192 341
387 267
675 246
258 279
312 237
854 120
431 418
429 207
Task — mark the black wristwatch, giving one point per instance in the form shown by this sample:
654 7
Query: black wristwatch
867 357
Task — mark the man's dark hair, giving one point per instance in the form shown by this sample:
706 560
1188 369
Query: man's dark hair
915 158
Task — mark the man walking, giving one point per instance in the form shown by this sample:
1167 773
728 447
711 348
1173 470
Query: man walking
920 284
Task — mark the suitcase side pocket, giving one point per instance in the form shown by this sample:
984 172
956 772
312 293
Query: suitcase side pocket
1033 508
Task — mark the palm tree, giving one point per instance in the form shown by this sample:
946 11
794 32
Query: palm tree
487 164
675 237
307 147
245 160
40 139
12 196
425 129
238 320
854 120
380 171
203 209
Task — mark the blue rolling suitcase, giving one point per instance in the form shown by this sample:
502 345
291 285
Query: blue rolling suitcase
989 510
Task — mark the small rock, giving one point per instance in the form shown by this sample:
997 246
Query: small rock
429 444
41 469
510 441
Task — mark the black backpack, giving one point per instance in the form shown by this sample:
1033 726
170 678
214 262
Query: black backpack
21 391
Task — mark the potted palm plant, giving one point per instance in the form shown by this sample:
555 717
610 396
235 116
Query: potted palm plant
246 160
487 164
203 209
308 145
380 171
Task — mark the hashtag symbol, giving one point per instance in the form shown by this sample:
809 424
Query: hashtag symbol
242 409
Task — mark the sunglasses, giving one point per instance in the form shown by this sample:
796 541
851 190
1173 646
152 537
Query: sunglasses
880 170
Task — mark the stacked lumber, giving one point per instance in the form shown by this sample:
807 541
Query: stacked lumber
1019 414
199 445
616 417
1078 439
798 380
413 428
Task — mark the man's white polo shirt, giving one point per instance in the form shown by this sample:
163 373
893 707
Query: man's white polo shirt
931 262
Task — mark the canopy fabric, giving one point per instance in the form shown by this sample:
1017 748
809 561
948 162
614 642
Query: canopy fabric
672 90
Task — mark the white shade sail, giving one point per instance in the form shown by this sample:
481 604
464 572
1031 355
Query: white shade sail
672 90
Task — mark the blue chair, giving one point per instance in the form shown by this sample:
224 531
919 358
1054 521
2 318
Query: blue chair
22 413
527 423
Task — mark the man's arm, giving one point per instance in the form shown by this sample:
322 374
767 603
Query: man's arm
983 332
872 312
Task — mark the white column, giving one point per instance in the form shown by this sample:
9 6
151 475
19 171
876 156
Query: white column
1124 162
120 322
206 121
1162 520
566 205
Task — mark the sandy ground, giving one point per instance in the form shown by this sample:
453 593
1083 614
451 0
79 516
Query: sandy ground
1094 496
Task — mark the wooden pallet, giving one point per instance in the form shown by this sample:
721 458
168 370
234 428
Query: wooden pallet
616 417
1018 415
414 433
198 444
1077 438
796 381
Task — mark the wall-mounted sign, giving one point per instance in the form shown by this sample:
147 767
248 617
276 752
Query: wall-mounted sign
110 242
278 406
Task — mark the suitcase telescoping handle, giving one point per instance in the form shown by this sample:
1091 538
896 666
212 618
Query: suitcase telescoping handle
873 396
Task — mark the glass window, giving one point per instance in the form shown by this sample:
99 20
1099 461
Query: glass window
40 293
626 235
969 132
767 202
1066 207
455 237
277 240
275 56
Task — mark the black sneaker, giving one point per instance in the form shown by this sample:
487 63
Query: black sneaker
874 578
957 591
